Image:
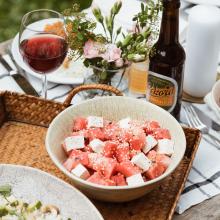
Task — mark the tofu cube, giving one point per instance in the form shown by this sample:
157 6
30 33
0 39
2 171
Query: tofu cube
135 180
165 146
141 161
124 123
95 122
151 142
97 145
81 172
74 142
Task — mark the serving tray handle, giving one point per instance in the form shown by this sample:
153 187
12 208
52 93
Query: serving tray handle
89 87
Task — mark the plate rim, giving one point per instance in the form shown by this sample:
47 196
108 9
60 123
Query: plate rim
18 166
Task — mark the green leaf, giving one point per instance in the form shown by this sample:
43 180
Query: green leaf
142 6
5 190
3 211
118 31
79 36
134 19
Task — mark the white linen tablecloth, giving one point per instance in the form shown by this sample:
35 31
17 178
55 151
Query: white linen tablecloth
204 179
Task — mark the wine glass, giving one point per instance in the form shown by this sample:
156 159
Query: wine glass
41 50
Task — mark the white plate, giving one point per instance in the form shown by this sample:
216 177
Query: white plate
72 75
205 2
31 184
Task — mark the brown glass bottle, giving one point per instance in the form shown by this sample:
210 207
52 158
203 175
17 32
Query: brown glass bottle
167 60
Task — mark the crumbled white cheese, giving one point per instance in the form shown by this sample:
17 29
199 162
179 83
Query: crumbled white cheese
141 161
135 180
151 142
95 122
97 145
81 172
165 146
74 142
124 123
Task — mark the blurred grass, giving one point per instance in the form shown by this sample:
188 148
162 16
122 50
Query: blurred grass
11 12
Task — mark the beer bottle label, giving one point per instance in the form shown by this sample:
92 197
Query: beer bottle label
162 91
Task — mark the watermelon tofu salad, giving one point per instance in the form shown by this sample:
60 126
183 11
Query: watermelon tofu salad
110 153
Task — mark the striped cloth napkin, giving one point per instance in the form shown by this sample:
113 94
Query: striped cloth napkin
204 178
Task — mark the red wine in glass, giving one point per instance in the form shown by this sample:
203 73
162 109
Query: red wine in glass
44 52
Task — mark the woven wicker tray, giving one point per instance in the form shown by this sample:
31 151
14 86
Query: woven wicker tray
23 125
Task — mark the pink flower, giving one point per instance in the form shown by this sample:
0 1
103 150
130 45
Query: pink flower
112 53
108 52
119 62
92 49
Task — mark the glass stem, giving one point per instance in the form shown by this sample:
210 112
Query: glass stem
44 86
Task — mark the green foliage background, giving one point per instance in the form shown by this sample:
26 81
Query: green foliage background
11 12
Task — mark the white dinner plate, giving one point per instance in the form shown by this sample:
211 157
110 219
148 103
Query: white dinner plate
32 184
205 2
72 75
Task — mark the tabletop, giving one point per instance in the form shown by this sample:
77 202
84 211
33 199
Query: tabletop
208 209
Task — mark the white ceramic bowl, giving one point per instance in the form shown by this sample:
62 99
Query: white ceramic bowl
113 108
215 95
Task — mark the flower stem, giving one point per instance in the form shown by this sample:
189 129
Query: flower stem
104 30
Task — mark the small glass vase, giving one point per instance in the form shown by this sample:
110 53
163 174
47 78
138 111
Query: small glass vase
116 78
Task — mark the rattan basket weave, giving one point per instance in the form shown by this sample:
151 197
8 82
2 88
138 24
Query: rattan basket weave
23 124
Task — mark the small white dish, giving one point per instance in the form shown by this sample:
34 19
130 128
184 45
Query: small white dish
32 184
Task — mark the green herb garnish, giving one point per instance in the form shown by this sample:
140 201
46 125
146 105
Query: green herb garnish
5 190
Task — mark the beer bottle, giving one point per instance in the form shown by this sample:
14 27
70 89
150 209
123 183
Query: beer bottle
167 57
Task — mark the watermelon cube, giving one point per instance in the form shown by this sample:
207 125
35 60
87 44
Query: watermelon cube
125 135
96 133
71 162
112 131
162 133
123 152
79 157
127 168
155 171
138 141
98 178
152 155
119 179
109 148
150 126
104 165
163 160
79 123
